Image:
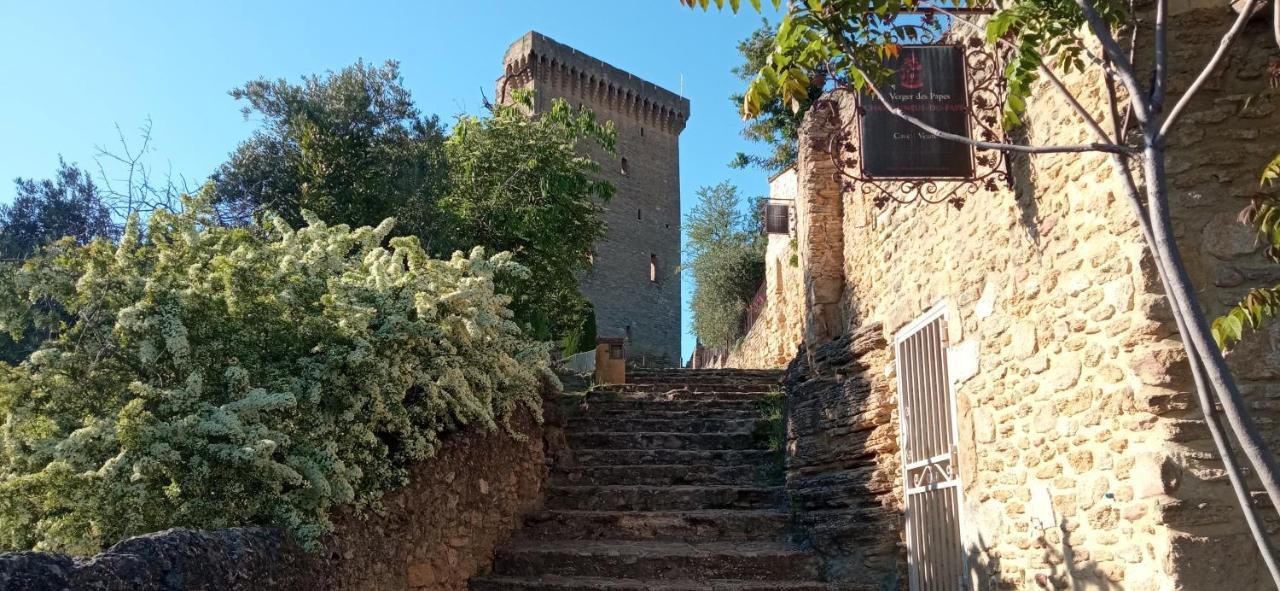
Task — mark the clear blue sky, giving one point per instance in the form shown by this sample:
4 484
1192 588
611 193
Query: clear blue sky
74 70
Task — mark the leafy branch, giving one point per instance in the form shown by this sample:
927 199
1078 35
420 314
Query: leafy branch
1261 305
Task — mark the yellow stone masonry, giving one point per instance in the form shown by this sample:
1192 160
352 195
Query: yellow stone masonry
1083 457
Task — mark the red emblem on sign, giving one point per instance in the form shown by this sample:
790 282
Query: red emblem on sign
911 73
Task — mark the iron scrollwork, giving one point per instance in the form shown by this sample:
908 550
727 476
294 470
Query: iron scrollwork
985 84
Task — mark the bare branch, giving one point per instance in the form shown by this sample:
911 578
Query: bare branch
1053 79
127 178
1225 44
1203 390
1062 149
1123 65
1133 51
1160 73
1119 125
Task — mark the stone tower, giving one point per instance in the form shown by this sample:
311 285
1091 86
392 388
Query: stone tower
633 283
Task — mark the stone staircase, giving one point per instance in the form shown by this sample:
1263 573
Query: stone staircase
668 489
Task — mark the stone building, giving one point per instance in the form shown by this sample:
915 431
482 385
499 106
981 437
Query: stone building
633 284
1079 456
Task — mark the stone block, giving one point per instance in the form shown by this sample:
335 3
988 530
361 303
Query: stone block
1225 237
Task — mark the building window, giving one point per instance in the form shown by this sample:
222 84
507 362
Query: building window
638 214
653 267
626 168
641 132
777 218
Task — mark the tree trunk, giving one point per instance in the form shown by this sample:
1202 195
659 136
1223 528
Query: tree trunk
1204 394
1194 330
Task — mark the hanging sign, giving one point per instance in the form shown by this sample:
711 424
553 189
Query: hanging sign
929 84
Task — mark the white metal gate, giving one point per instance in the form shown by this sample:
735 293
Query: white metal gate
931 481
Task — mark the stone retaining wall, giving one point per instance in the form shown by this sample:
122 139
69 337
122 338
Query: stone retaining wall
843 463
432 535
771 343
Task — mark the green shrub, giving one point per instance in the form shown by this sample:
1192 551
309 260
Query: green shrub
259 375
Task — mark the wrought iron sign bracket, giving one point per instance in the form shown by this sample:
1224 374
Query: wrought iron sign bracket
986 88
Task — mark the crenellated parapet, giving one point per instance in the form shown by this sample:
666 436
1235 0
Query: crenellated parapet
542 62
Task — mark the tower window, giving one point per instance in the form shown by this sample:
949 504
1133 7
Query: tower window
626 167
641 132
653 267
637 214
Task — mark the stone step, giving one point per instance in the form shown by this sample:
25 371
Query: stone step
644 407
711 525
676 394
640 377
557 583
643 440
666 561
668 474
634 457
646 378
682 371
632 424
701 414
757 388
662 498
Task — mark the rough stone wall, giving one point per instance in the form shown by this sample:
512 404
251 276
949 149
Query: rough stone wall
843 464
442 527
1056 365
804 272
821 240
1228 133
241 559
644 214
432 535
773 339
1083 457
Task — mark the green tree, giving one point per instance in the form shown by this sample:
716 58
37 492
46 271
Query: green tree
778 125
522 184
848 41
44 211
349 146
352 148
725 254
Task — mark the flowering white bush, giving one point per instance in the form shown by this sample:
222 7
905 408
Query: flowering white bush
221 376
